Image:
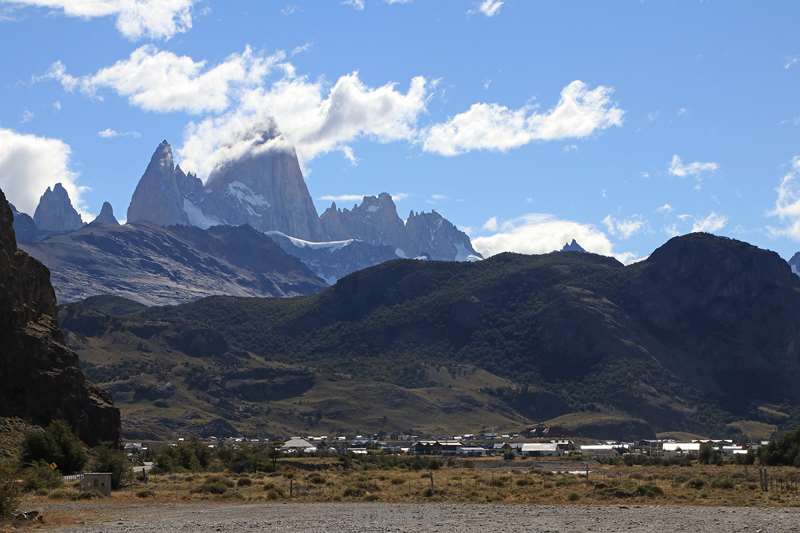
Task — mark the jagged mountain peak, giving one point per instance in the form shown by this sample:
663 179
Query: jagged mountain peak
106 216
573 247
55 211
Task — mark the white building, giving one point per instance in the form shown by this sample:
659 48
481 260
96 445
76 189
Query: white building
298 445
540 449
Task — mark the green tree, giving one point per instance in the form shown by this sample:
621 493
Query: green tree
709 455
58 445
115 462
782 450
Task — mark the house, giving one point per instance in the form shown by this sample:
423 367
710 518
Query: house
471 451
603 450
298 445
436 447
681 448
540 449
357 451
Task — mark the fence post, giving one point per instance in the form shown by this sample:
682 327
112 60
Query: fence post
291 488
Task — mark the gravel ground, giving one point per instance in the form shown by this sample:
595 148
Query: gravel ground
345 517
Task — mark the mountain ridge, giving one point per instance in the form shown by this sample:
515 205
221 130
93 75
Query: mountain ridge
550 336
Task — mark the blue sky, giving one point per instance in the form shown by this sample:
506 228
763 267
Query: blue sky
524 122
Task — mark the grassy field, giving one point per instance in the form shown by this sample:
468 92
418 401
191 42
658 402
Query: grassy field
475 481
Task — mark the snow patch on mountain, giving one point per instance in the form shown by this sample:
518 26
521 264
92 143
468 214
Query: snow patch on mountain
197 217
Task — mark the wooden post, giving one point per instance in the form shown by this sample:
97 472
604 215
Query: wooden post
291 488
432 490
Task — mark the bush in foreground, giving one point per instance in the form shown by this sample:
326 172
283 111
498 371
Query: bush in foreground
40 476
8 493
783 450
113 461
58 445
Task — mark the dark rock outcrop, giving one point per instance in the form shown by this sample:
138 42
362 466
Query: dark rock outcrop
55 211
106 217
794 262
157 265
40 379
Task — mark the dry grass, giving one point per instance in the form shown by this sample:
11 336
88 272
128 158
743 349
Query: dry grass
321 481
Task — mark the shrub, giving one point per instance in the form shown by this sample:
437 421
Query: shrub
709 455
8 493
696 484
244 482
353 492
146 493
573 497
113 461
649 491
191 456
782 450
211 487
723 483
58 445
39 476
316 479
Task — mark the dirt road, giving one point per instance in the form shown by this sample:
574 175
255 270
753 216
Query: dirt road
349 517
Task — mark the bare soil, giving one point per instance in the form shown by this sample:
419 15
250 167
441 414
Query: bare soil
347 517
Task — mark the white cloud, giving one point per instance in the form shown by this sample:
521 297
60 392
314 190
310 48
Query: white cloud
343 197
29 164
109 133
579 113
537 233
491 225
710 223
397 197
156 80
312 118
678 168
158 19
624 228
489 8
665 209
358 5
787 204
790 62
27 116
57 105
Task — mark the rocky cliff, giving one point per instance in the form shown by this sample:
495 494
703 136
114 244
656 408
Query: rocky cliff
40 379
55 211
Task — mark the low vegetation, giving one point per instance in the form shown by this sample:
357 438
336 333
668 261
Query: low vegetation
784 450
56 445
